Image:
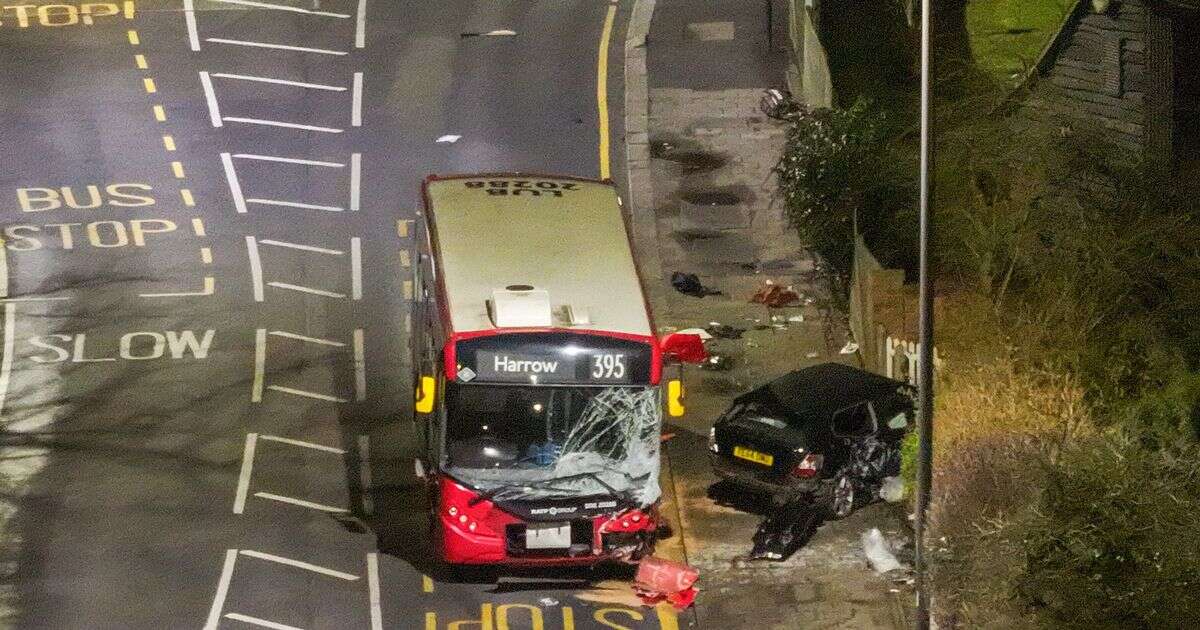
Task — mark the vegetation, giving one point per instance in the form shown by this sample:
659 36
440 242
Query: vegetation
1007 36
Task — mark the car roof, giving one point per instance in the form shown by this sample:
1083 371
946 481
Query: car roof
821 390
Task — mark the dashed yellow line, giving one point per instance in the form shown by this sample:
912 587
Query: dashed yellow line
140 60
426 584
404 260
206 255
148 83
134 40
198 226
169 142
177 169
188 200
160 114
402 228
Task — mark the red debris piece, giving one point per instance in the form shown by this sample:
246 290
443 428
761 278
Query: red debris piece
659 579
684 348
775 296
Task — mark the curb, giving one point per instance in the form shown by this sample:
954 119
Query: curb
637 145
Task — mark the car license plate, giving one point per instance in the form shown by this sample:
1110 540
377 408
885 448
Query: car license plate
548 536
750 454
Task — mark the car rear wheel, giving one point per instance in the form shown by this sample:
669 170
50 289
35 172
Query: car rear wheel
841 496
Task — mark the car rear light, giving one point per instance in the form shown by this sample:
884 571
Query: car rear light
809 466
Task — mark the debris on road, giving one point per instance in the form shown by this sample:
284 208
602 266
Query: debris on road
716 363
659 579
785 530
796 318
878 552
849 348
892 489
448 139
548 601
685 348
775 296
689 284
724 331
699 332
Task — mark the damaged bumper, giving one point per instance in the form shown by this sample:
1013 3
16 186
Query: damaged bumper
761 482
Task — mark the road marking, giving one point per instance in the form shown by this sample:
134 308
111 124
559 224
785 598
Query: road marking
272 158
407 323
186 194
210 97
134 40
355 181
140 60
364 471
404 258
238 42
160 114
300 392
198 227
360 25
602 91
128 9
279 123
177 170
356 277
210 287
256 275
33 299
667 618
431 620
402 227
307 248
373 591
10 324
281 7
304 289
323 342
356 101
317 447
169 143
260 360
189 16
206 255
426 584
235 187
214 613
148 83
255 621
360 367
294 204
408 289
243 486
246 77
300 502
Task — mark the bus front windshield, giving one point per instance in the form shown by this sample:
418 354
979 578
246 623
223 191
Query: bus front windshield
554 441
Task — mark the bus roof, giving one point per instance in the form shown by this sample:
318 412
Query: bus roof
562 235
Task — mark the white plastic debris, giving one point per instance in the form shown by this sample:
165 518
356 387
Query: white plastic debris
812 355
892 489
699 332
503 32
849 348
796 318
879 554
448 139
548 601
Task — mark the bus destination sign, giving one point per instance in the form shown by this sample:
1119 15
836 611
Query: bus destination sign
519 367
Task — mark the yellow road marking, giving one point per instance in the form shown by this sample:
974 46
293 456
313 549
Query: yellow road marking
177 169
169 143
187 197
426 584
667 619
404 261
133 38
149 84
128 9
430 621
206 255
408 289
402 228
198 226
160 114
602 91
141 62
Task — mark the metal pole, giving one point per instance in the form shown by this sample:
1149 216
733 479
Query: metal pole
925 348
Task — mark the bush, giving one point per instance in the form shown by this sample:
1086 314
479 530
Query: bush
1114 542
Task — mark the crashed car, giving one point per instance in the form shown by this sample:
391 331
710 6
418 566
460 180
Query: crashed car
824 436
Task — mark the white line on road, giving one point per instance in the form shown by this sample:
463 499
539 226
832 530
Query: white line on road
360 366
307 248
356 101
272 158
239 501
210 97
294 204
300 502
247 77
364 473
373 591
214 613
189 16
298 564
10 334
255 621
306 394
323 342
235 187
210 287
281 7
304 289
33 299
356 271
360 25
256 275
355 181
316 447
280 123
260 360
238 42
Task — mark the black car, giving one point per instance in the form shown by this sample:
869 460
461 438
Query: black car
827 435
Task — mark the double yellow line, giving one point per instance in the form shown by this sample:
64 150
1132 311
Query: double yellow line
602 90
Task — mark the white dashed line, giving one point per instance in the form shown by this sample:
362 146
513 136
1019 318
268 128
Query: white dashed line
255 621
282 7
301 502
272 158
356 101
373 591
256 79
306 394
34 299
238 42
360 25
360 367
356 272
243 487
355 181
315 447
10 323
210 97
323 342
189 16
260 360
256 275
280 123
235 187
214 613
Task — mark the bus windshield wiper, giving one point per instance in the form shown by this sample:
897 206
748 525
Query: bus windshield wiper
623 495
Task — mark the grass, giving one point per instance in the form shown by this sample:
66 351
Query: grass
1008 35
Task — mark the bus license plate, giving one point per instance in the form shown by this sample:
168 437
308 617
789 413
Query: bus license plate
752 455
548 536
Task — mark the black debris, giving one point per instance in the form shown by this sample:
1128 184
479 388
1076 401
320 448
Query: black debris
724 331
785 530
689 284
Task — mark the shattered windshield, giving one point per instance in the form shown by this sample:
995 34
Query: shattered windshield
517 442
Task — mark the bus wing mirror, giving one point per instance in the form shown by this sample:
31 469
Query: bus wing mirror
684 348
675 398
425 394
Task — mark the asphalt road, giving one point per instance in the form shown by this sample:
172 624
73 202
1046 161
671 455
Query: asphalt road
205 248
